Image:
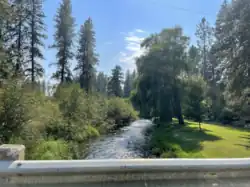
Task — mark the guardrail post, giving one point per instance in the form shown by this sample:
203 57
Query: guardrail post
12 152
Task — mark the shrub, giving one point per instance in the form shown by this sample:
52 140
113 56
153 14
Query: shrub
227 116
13 112
121 112
51 150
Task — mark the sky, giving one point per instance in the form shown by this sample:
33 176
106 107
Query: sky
121 25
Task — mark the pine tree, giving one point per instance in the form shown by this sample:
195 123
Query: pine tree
36 35
204 34
101 83
86 55
114 85
193 60
18 32
127 84
64 36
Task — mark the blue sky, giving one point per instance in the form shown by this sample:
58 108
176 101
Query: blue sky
120 25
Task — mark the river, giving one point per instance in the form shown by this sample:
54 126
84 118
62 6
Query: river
128 142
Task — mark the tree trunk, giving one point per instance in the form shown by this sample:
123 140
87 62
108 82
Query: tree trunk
177 102
200 126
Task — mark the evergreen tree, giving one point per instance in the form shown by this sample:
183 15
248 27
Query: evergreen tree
64 36
114 84
101 83
18 30
204 34
86 55
193 60
36 35
127 84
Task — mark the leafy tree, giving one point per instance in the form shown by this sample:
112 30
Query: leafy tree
194 98
13 112
158 86
86 55
36 35
115 81
64 36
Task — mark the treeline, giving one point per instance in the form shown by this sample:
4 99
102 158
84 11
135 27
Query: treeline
209 81
84 104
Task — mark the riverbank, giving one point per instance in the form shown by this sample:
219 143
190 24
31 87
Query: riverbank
214 141
60 126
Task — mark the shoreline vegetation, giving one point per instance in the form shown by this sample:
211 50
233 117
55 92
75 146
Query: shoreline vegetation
59 127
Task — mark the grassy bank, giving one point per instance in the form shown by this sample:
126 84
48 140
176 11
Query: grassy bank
214 141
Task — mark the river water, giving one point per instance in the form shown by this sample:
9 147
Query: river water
126 143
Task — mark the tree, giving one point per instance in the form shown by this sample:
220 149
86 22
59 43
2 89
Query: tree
193 60
115 81
101 83
18 32
194 98
86 55
204 35
36 35
64 36
158 86
128 83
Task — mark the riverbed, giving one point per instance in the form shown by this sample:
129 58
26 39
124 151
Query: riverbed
128 142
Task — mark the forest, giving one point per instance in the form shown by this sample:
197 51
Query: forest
174 81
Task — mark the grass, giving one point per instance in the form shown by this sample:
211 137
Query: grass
214 141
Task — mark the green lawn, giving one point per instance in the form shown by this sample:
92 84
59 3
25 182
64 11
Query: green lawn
214 141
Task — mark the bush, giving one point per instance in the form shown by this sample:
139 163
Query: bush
59 127
227 116
51 150
121 112
14 113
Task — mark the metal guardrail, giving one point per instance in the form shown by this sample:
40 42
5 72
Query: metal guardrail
128 172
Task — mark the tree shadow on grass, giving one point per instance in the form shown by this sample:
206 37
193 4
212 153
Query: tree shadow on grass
247 145
189 139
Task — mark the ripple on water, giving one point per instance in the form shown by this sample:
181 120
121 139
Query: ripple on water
124 144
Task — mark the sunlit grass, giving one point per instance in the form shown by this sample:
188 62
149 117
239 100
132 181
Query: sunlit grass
213 141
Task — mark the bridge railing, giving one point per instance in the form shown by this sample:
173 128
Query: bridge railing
123 172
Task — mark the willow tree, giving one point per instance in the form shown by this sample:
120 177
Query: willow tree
158 86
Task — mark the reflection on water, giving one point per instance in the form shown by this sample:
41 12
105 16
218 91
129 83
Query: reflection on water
127 143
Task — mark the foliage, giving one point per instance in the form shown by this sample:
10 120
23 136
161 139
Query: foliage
52 150
36 36
13 112
121 111
128 84
158 84
114 84
65 123
63 43
194 97
102 83
86 56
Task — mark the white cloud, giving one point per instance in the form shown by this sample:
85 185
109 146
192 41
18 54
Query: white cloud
139 30
132 48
